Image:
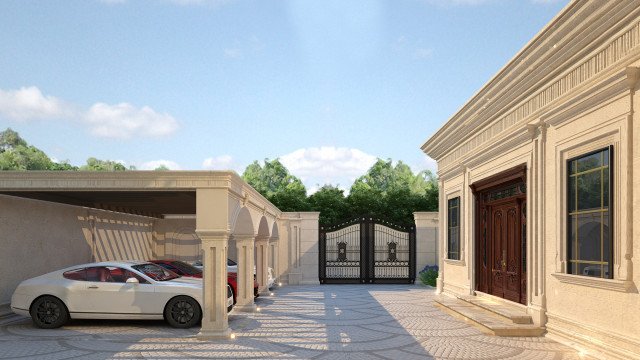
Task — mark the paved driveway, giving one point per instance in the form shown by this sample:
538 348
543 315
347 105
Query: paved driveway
304 322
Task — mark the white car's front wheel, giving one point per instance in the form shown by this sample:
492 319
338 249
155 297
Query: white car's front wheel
182 312
49 312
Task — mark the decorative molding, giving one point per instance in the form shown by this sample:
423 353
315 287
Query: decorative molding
213 234
633 75
625 46
606 284
455 262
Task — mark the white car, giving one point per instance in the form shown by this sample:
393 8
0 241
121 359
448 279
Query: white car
111 290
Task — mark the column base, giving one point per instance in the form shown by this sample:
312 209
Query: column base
439 285
206 334
248 308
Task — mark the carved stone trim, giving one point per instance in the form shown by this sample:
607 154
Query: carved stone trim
621 47
606 284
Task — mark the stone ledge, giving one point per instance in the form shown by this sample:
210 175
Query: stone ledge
606 284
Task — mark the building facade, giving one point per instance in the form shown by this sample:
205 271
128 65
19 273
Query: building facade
540 177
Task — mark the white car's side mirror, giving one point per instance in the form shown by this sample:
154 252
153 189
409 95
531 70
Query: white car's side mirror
132 280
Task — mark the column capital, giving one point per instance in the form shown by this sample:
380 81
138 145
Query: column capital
633 75
207 234
262 238
244 238
274 239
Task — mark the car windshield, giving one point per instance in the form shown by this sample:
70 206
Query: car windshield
156 272
186 268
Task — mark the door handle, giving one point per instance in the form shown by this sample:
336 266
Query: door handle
504 260
93 287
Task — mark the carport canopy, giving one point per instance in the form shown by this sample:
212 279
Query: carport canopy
211 196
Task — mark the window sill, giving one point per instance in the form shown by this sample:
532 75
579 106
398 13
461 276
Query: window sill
606 284
454 262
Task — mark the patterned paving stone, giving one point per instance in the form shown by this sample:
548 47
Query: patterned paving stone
304 322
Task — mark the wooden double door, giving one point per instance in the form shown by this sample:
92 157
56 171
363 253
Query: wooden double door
501 240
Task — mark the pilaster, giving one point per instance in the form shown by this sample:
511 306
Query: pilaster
215 323
262 248
244 297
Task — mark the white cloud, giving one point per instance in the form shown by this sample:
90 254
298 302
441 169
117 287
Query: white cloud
28 103
328 165
121 121
222 162
152 165
426 164
124 121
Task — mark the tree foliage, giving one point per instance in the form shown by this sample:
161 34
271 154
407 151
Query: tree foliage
17 154
274 182
385 191
331 203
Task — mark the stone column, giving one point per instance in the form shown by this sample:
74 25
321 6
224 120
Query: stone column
244 298
274 242
262 246
212 226
214 318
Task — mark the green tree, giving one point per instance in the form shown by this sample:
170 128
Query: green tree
162 168
16 154
330 201
274 182
94 164
10 139
393 192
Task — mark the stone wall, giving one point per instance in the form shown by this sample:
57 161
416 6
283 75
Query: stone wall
38 237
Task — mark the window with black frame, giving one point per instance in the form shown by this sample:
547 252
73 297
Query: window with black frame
589 245
453 229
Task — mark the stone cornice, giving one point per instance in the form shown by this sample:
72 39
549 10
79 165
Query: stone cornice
135 181
116 180
575 48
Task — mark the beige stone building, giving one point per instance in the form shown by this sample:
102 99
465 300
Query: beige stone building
540 182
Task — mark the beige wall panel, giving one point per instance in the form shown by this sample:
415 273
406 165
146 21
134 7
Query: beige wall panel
426 239
600 315
180 240
38 237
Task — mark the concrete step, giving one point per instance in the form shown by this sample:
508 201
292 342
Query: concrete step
488 321
515 314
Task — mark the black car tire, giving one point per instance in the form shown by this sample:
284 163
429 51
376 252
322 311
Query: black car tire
182 312
49 312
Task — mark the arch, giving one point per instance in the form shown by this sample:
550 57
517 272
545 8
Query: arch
263 228
244 223
275 233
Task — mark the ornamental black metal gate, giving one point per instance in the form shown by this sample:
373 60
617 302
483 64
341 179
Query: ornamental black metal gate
367 250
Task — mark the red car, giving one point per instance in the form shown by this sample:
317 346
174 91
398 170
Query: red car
183 269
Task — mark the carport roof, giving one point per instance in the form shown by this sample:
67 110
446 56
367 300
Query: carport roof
148 193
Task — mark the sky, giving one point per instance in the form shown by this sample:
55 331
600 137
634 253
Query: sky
325 86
